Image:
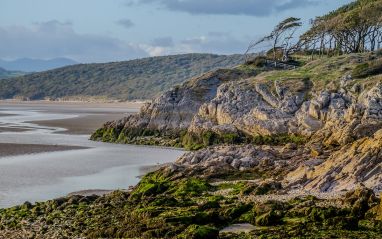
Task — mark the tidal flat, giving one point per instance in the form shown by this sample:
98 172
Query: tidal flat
50 155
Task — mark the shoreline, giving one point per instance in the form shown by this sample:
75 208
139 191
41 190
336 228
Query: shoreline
80 125
89 163
101 192
11 149
97 104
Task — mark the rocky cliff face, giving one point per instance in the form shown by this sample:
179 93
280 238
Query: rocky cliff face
355 163
290 106
175 109
322 127
171 113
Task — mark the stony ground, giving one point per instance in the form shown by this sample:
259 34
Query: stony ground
166 206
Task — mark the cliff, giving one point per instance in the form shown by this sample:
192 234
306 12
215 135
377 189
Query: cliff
319 107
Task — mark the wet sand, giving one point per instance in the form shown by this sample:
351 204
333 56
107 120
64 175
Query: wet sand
72 107
87 117
86 124
43 163
12 129
8 149
3 114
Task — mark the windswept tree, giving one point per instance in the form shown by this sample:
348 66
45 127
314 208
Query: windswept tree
356 27
280 38
282 35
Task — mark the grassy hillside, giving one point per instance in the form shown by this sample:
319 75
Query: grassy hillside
136 79
8 74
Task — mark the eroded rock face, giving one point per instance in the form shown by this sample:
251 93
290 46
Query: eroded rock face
175 109
255 108
349 123
341 128
355 163
340 118
213 162
252 108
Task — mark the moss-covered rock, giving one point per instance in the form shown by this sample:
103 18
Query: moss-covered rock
270 218
199 232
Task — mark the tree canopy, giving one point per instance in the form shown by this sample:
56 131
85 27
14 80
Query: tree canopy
355 27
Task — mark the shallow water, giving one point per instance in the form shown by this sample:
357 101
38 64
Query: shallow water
43 176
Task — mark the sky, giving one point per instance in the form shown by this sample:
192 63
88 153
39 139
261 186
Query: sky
114 30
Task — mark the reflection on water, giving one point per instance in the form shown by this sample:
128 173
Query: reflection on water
45 176
19 119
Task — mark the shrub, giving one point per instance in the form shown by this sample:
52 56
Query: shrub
367 69
379 52
258 61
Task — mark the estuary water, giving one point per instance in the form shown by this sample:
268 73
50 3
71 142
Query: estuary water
44 153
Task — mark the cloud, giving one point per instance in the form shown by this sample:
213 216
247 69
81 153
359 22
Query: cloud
156 50
195 41
126 23
216 42
53 39
228 7
163 42
58 39
213 42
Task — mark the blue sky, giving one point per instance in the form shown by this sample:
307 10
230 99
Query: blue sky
114 30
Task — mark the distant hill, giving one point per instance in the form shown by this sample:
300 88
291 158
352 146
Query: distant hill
35 65
128 80
4 74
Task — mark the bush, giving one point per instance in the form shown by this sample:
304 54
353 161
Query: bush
379 52
258 61
367 69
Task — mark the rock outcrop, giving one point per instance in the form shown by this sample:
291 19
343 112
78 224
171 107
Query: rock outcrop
253 107
333 130
175 109
355 163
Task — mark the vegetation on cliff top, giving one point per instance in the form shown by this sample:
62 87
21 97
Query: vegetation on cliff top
355 27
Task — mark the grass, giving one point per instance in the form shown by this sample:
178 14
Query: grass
324 72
